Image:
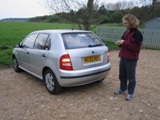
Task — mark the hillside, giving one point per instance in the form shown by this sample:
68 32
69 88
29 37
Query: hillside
15 19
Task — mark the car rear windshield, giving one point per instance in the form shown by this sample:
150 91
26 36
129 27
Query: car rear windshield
80 40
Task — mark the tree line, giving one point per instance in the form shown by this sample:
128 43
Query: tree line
93 13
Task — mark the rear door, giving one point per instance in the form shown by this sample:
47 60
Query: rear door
39 54
85 50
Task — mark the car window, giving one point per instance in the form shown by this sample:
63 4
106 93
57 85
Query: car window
48 43
80 40
42 41
29 41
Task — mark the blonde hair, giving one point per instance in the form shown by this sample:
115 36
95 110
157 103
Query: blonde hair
133 21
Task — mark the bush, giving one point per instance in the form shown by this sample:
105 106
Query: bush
116 17
3 47
53 19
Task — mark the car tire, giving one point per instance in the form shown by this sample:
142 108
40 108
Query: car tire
51 82
16 65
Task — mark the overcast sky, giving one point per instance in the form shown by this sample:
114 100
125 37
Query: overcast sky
25 8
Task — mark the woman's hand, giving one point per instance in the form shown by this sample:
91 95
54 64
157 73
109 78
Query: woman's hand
119 42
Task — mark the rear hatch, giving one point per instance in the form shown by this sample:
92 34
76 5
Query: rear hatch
85 50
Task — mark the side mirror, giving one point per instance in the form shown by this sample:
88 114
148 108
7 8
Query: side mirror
17 46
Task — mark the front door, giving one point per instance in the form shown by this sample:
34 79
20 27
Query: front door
24 51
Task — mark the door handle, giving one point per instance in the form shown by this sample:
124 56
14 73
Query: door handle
43 55
27 53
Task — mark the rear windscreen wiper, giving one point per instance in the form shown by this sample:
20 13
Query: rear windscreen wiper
94 45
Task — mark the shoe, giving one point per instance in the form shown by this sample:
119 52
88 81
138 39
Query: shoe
118 92
129 97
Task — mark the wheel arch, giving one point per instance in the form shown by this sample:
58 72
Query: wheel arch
13 56
45 69
57 86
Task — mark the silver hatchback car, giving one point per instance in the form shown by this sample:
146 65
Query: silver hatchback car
62 58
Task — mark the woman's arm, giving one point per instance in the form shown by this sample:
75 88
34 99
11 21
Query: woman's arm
138 38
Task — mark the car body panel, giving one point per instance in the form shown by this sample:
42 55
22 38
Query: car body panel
76 77
23 57
37 60
77 56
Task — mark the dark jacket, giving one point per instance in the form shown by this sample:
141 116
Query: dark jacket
132 44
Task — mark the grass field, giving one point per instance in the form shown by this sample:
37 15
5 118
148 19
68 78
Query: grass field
12 33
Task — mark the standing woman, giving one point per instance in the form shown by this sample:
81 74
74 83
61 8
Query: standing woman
130 45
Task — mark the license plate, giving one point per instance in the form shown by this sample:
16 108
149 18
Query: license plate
91 59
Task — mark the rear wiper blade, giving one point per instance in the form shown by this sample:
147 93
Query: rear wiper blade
94 45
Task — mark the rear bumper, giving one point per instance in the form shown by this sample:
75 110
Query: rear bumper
81 77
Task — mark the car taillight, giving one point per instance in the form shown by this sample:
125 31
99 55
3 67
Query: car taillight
65 62
108 54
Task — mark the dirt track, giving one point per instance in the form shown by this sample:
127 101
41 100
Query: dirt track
24 97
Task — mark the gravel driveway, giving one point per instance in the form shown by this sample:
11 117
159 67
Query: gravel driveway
24 97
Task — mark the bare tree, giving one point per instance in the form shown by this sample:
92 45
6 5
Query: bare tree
147 2
59 6
123 5
120 5
153 2
129 4
110 6
80 12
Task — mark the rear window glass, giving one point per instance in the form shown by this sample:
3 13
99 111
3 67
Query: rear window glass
80 40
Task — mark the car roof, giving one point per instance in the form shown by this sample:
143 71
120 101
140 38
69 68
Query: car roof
62 31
